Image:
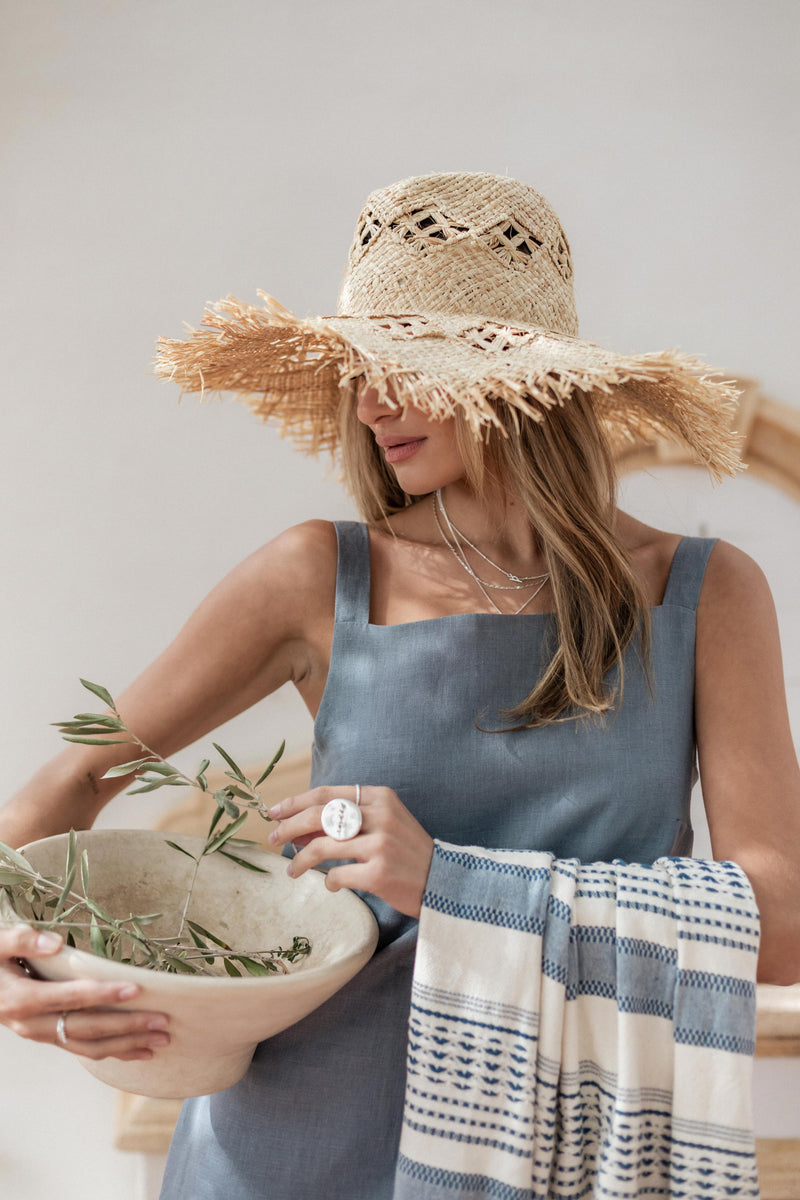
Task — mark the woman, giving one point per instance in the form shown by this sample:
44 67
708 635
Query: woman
499 657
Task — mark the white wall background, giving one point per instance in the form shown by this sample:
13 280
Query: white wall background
161 153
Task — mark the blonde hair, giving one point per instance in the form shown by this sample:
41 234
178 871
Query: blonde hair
562 470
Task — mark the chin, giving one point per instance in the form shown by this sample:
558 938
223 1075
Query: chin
423 483
415 492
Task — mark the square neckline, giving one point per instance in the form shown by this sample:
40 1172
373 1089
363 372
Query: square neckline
494 616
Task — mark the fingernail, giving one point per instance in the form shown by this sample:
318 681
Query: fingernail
128 992
158 1039
158 1023
144 1054
275 811
48 941
290 869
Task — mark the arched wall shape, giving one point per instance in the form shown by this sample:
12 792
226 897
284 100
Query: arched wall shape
771 449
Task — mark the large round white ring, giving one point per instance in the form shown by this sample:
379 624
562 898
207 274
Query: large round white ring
341 819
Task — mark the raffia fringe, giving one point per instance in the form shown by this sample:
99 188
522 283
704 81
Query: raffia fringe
293 371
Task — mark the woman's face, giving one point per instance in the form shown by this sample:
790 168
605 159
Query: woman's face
422 452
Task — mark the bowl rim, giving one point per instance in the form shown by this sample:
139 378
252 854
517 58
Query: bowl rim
173 981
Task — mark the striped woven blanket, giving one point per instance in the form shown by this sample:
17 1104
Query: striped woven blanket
580 1030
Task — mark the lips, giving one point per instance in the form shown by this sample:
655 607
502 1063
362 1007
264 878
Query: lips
396 450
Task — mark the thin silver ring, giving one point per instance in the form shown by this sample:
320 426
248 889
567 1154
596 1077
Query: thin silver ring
61 1029
358 795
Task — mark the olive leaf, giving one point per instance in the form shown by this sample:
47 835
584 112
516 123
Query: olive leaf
227 832
127 768
271 765
100 692
242 862
175 846
85 872
13 856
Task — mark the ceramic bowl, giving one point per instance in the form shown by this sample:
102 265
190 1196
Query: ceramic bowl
216 1022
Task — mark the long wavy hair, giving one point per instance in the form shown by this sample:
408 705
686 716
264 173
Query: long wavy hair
562 470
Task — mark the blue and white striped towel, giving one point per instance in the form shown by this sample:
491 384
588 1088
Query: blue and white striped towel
580 1030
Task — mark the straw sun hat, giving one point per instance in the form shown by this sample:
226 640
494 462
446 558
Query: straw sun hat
457 295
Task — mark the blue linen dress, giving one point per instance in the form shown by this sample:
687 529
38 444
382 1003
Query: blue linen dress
318 1115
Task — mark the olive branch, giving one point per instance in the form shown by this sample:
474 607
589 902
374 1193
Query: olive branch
53 904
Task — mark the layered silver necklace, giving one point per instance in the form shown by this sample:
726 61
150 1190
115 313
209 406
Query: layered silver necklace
455 543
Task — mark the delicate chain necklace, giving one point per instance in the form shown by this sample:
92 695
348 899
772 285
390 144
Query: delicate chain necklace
460 557
456 550
520 580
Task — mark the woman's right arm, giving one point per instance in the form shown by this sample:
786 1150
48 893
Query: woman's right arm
269 621
266 623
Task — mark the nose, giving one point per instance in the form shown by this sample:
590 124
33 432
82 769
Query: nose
370 408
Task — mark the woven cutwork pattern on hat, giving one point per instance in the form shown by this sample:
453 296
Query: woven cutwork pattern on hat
479 244
425 229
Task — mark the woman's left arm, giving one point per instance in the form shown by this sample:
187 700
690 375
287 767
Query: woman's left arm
748 767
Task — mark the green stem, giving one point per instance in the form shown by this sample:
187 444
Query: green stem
256 802
197 862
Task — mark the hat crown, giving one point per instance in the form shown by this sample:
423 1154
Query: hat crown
461 244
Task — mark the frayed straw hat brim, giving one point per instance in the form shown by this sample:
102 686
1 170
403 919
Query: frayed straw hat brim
295 372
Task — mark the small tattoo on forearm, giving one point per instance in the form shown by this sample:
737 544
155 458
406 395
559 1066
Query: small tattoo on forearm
93 784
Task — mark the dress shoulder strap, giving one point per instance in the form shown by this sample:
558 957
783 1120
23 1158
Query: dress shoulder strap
687 571
352 572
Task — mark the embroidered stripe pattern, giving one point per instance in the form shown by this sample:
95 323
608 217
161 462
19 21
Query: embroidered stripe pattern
580 1030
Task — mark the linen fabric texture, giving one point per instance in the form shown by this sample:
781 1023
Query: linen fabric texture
580 1030
319 1113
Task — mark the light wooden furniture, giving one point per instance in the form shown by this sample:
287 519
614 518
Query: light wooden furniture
778 1035
771 433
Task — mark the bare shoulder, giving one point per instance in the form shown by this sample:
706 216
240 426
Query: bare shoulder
297 567
735 589
301 546
277 602
268 622
733 580
737 626
735 608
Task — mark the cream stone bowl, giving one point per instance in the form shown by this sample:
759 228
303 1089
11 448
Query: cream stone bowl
216 1022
